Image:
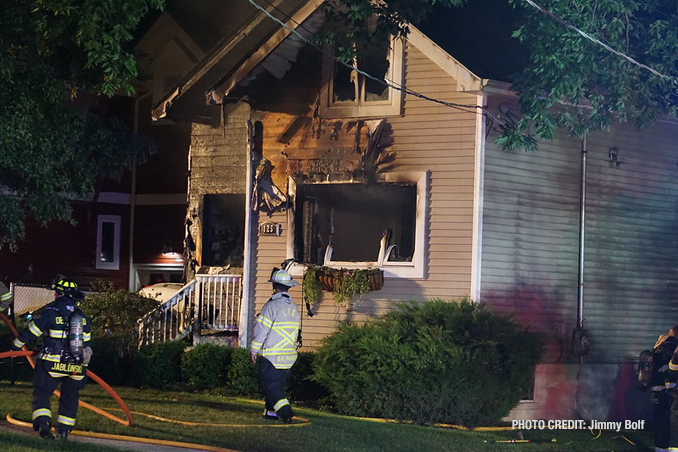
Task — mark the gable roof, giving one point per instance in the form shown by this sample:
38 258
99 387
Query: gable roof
249 42
261 43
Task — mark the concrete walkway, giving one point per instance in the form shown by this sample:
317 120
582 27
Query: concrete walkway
118 444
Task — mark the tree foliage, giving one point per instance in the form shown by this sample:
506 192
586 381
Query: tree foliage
570 82
591 87
56 57
366 22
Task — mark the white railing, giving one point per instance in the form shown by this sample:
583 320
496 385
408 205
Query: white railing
220 301
172 320
210 301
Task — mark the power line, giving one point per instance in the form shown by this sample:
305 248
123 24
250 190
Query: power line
595 40
390 83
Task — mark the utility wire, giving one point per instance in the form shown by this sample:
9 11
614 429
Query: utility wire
389 83
596 41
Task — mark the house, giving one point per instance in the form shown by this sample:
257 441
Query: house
130 233
295 157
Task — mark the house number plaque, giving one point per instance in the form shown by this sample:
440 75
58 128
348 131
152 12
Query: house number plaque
270 228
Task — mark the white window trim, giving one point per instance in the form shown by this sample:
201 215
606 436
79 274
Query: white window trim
411 270
390 107
115 265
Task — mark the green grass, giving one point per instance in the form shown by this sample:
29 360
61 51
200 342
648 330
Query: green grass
326 431
15 442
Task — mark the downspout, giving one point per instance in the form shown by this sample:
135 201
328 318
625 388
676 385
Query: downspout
580 339
243 335
479 174
133 197
582 232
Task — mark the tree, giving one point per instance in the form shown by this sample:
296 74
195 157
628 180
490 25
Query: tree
57 57
623 70
367 22
575 82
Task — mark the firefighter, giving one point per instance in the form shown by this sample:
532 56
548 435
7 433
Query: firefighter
66 331
276 330
6 298
663 387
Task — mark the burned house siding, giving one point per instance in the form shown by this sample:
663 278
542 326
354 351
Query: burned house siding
530 240
218 158
428 137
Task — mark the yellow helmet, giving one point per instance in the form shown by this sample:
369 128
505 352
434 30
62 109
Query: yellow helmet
64 286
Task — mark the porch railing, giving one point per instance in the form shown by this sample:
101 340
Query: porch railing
212 302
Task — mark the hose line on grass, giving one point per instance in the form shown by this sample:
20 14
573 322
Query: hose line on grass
160 442
303 421
128 414
29 356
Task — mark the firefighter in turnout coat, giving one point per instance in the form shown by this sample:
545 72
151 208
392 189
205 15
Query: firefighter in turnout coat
663 387
6 298
64 356
276 330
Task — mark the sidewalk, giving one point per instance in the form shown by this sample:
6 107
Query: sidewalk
119 444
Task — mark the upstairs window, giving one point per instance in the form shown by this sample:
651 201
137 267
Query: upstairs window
349 93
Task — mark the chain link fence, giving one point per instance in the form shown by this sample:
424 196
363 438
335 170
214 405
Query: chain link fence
30 297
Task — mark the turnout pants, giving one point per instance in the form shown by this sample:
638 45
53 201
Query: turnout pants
44 384
272 382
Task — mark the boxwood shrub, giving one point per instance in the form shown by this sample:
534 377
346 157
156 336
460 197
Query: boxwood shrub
205 366
159 365
241 377
300 385
432 362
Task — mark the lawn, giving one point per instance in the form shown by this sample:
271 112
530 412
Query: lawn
242 429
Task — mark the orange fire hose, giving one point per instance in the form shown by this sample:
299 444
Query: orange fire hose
29 356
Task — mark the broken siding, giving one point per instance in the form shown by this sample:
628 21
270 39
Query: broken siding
429 137
218 158
530 239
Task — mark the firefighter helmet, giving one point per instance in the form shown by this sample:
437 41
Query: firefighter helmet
65 286
282 277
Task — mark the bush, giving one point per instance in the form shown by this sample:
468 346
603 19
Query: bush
300 386
107 361
241 378
159 365
205 366
114 313
435 362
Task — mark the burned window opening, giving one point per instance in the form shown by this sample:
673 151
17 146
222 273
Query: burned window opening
348 85
348 92
223 230
355 223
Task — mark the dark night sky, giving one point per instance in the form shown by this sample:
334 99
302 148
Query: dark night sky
479 36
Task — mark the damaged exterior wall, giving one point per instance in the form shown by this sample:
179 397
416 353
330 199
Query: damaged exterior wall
218 164
426 137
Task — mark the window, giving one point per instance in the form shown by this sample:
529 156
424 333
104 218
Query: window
108 242
348 93
354 225
223 230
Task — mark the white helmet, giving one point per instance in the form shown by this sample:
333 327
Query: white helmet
284 278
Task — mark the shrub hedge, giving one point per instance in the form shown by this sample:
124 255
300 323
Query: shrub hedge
115 340
432 362
241 377
205 366
159 365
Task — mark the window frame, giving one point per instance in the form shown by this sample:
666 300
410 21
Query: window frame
415 269
117 221
356 109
